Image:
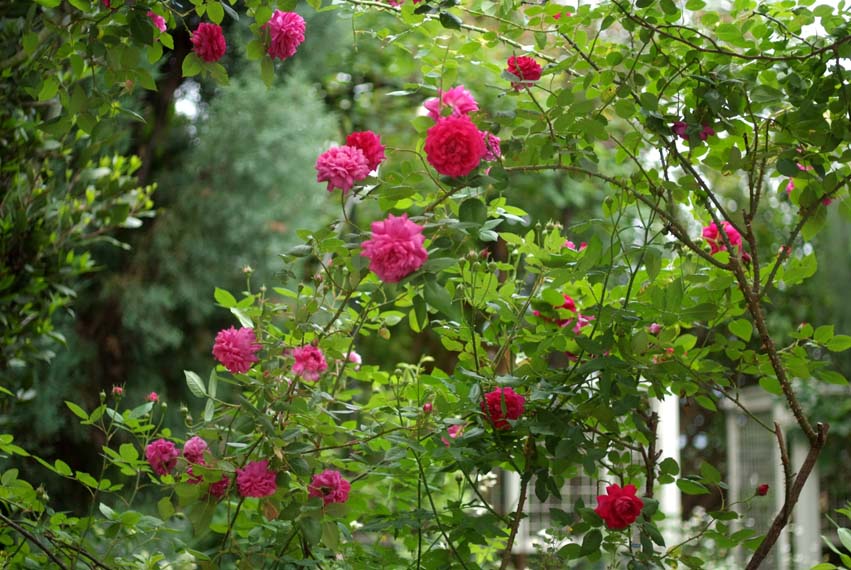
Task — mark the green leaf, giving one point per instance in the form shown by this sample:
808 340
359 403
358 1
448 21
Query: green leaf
823 334
49 88
195 384
224 298
165 508
473 211
62 468
78 411
267 71
330 535
591 542
839 343
742 328
438 297
844 537
690 487
191 65
450 21
244 319
128 452
709 473
254 50
771 385
209 410
215 12
213 383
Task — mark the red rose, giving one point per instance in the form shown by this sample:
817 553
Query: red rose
370 145
454 146
619 507
525 68
762 490
208 42
503 404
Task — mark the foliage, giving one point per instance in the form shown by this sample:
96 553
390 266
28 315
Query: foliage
706 117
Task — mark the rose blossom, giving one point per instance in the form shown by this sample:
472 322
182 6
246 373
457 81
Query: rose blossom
256 480
157 20
395 248
762 490
619 507
208 42
153 397
236 349
454 431
341 167
117 390
454 146
309 362
428 407
330 487
355 359
492 150
716 242
458 99
570 245
654 328
220 488
286 32
492 406
370 145
193 450
524 67
162 456
706 132
679 128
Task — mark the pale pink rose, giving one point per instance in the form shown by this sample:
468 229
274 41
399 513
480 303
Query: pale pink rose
117 391
458 99
454 431
395 249
341 167
309 362
570 245
256 480
355 359
193 450
330 487
493 152
153 397
162 456
654 328
236 349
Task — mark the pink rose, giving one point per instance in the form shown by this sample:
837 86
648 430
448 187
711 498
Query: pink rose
286 33
355 359
458 99
706 132
193 450
330 487
220 488
117 391
208 42
492 150
526 68
157 20
716 242
153 397
395 249
503 404
256 480
454 146
679 129
309 362
654 328
236 349
341 167
570 245
569 305
162 456
453 431
619 507
370 145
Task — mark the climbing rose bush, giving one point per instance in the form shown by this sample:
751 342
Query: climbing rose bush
208 41
395 249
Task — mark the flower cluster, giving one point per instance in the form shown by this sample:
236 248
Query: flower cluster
395 249
236 349
455 146
619 507
342 166
716 242
162 456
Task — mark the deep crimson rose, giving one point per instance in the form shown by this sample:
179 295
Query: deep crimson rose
524 67
619 507
762 490
503 404
454 146
236 349
286 33
395 249
255 480
716 242
341 167
208 42
330 487
370 145
162 456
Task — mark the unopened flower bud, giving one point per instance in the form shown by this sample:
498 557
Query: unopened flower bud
427 408
762 490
